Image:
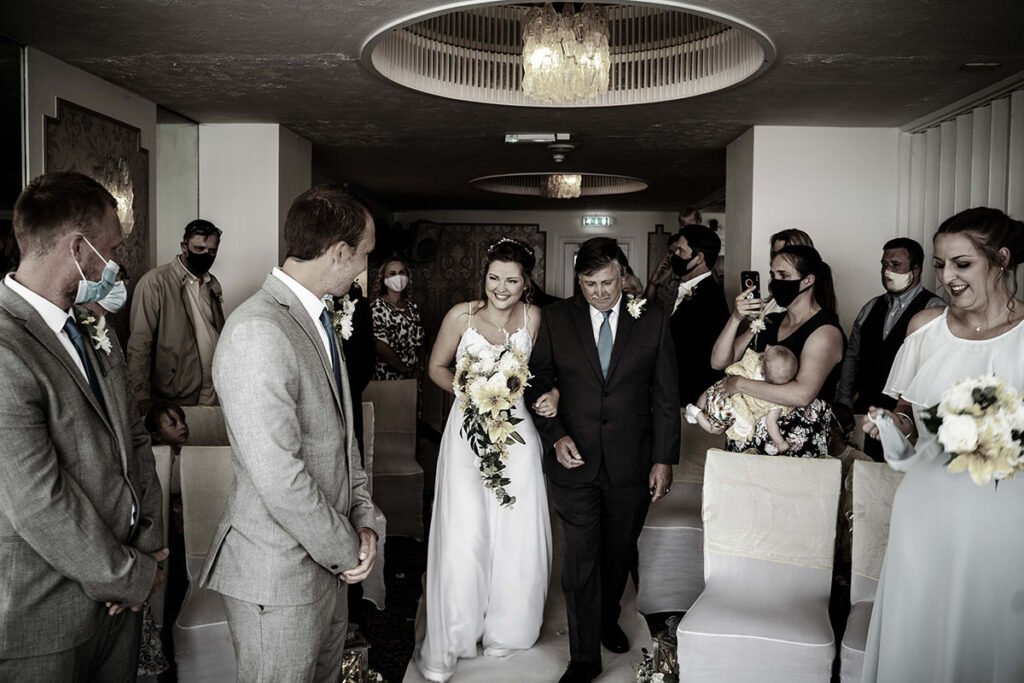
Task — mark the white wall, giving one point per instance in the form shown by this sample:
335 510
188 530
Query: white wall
739 194
48 78
840 185
177 189
295 171
560 225
239 192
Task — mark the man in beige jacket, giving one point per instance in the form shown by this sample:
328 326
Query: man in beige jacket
176 321
299 524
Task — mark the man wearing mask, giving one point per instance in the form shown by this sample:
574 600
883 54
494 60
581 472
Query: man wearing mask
878 332
176 321
699 311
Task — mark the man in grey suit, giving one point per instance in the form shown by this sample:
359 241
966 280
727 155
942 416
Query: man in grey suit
299 523
81 530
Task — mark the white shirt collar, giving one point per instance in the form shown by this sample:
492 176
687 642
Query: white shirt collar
598 316
686 287
313 304
51 314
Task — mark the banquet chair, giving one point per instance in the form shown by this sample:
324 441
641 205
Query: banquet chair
203 650
397 477
769 535
670 562
206 426
874 485
162 459
373 586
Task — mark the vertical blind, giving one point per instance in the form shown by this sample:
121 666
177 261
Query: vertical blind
973 159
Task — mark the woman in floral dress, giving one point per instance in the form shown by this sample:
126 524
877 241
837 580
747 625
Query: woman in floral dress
809 327
396 324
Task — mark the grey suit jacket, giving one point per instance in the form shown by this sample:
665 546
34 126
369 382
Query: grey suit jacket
299 492
67 472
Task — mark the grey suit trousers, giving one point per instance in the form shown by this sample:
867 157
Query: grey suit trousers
111 655
292 642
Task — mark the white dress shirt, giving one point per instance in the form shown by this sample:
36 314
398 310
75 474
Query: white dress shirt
52 315
314 306
197 290
686 287
597 318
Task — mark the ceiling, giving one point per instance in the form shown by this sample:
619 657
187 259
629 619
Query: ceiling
297 63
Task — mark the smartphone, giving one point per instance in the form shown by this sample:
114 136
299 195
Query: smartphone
748 279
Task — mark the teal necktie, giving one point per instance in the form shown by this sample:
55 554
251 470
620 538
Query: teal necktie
332 341
604 343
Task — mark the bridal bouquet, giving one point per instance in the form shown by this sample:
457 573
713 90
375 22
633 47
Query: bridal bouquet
980 423
489 381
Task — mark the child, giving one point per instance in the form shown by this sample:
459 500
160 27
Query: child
738 414
166 426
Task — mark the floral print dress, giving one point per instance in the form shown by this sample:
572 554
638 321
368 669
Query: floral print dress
399 328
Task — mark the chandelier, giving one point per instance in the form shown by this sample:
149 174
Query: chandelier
565 56
562 186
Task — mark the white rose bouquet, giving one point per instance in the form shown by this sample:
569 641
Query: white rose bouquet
980 423
489 382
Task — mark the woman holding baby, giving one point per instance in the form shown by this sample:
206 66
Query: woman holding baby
809 328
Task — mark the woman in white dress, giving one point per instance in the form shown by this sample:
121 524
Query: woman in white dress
950 604
487 564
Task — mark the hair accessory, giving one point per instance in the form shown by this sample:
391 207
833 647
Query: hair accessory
509 240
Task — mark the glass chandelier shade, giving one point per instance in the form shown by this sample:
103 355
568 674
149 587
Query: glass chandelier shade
566 57
562 186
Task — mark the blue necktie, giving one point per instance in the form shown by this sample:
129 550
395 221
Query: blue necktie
325 320
78 341
604 343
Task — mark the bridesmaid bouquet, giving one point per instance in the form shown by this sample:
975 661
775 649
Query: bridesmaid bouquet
980 423
489 382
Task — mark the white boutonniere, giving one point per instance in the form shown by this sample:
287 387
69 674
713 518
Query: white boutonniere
95 326
341 315
635 306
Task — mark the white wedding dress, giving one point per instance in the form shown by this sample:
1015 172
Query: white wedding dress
950 605
487 566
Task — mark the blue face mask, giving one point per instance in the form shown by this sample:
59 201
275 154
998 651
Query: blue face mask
115 301
90 292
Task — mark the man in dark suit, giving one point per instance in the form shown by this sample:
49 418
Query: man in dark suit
81 529
700 311
610 451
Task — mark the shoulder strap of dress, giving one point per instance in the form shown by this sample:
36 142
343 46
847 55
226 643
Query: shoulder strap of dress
469 309
526 314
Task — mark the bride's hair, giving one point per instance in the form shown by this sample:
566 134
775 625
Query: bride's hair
508 250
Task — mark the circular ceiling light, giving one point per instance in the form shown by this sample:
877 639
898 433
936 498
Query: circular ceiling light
658 51
560 185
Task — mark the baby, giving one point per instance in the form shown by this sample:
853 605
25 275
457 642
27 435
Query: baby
737 415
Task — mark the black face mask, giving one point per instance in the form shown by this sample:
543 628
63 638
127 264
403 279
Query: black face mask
785 292
679 264
199 264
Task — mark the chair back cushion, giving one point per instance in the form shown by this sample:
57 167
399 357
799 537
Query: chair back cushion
205 426
163 459
368 441
874 485
394 405
694 443
206 481
773 508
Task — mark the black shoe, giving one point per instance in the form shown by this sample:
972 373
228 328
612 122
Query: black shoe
580 672
614 640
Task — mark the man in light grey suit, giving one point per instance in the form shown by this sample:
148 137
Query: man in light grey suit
299 523
81 530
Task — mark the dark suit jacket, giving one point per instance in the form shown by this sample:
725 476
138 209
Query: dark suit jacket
627 421
67 470
695 326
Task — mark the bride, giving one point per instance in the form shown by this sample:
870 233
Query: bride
487 563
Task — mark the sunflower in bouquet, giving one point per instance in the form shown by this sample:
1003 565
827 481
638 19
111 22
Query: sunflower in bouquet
490 381
980 423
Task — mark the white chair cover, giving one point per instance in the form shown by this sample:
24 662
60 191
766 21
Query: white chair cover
769 535
874 485
373 586
397 477
162 459
206 426
203 650
671 544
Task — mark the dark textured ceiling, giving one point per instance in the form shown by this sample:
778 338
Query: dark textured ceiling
839 63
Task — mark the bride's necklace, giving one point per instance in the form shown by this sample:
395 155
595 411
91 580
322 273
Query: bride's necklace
491 320
984 326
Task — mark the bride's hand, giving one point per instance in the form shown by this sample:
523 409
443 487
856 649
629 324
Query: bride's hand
901 420
547 404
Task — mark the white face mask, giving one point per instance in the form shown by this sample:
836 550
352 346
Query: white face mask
897 282
396 283
116 299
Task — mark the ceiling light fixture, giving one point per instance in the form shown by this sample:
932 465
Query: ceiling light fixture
562 186
566 57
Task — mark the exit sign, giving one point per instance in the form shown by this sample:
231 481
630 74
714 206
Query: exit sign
597 221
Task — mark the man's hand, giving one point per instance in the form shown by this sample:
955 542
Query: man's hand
660 480
567 454
367 556
115 608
